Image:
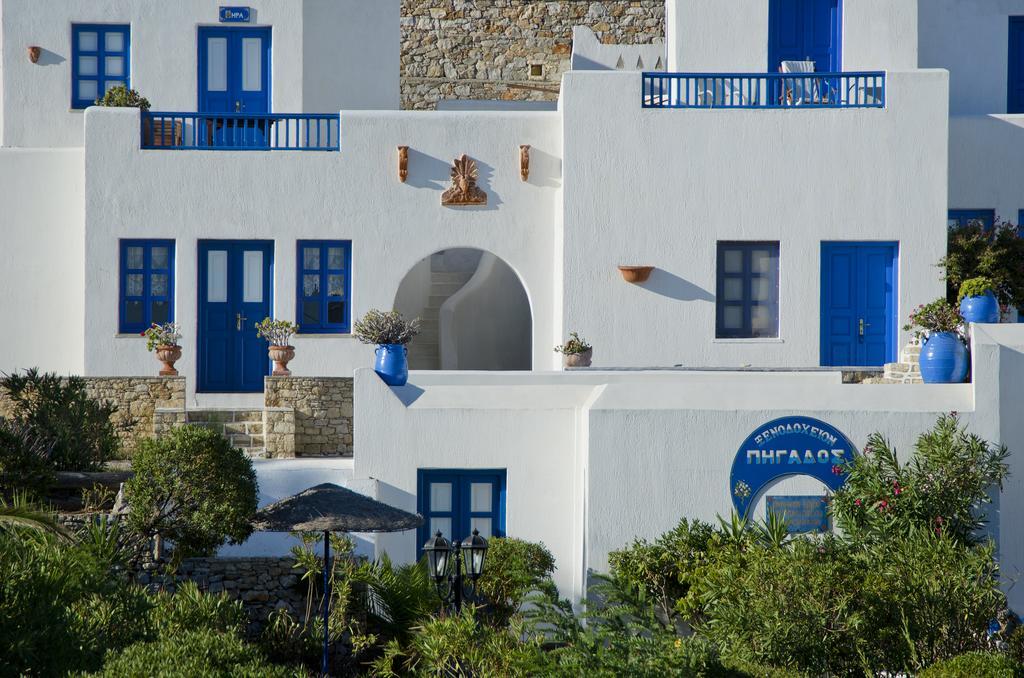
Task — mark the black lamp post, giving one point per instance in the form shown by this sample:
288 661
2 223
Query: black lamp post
445 560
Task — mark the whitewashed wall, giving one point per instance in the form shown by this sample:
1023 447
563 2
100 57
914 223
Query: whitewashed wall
718 36
596 459
353 195
42 259
325 56
660 187
986 162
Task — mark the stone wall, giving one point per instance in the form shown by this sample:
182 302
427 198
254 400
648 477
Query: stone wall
321 411
507 49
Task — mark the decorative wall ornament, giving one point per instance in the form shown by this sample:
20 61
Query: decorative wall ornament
524 161
636 274
403 163
34 52
464 190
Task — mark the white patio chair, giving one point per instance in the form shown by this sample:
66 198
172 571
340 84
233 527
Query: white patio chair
799 90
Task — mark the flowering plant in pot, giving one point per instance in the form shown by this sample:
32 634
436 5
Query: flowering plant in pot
278 333
391 333
576 352
978 303
943 354
163 338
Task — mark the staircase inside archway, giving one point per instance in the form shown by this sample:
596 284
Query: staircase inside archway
446 278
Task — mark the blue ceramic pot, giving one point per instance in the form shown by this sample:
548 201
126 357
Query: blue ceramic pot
980 309
392 364
943 359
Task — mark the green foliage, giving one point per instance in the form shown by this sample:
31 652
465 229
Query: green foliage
938 316
189 608
193 654
513 569
997 254
122 97
277 332
575 345
1015 644
25 464
380 327
976 287
193 488
58 411
397 598
945 487
166 334
975 665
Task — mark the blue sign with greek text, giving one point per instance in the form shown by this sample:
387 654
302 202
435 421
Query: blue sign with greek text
802 514
786 447
233 15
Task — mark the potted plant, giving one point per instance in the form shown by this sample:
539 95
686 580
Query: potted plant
164 340
943 353
978 303
391 333
278 333
576 352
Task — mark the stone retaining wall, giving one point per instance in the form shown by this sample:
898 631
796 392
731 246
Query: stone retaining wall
490 49
321 411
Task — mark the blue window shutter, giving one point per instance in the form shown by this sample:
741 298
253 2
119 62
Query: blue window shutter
145 284
731 307
461 514
320 271
986 218
100 58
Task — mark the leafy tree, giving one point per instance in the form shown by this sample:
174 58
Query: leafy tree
192 488
996 253
514 569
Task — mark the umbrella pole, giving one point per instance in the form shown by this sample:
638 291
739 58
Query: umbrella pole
327 598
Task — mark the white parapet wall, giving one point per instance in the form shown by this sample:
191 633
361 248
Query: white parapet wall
595 459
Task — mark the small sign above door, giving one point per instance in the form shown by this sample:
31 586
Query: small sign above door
234 15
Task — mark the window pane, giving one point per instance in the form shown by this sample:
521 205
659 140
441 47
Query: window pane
216 276
763 321
88 89
442 525
161 257
217 64
252 277
111 84
87 65
480 497
310 312
252 64
135 257
732 290
311 285
158 284
336 312
133 312
732 261
114 41
732 318
440 497
134 285
335 258
482 525
335 285
161 311
87 41
762 261
761 289
114 66
311 258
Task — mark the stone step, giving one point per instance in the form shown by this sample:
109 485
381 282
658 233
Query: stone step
450 277
445 289
242 427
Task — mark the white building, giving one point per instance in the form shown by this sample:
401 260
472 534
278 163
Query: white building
791 222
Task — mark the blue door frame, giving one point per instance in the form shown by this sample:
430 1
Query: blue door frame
227 85
799 30
459 511
1015 67
858 303
235 292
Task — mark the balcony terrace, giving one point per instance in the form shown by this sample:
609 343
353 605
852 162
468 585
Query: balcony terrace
764 90
241 131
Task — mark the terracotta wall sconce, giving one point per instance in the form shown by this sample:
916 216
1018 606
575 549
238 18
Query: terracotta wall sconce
403 163
524 161
34 52
635 274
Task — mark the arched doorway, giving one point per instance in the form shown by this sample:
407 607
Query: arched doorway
474 312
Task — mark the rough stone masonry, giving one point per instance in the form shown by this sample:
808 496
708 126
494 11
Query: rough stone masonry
507 49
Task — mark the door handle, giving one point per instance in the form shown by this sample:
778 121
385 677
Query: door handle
239 319
861 326
238 106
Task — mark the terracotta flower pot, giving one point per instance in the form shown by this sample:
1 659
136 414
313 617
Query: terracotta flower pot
635 274
282 355
168 355
577 359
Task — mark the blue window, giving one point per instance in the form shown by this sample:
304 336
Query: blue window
324 286
747 301
984 218
147 284
99 61
1015 67
456 502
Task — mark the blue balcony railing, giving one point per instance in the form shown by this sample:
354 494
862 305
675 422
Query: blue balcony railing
241 131
764 90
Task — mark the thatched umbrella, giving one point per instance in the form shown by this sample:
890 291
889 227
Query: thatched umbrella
331 508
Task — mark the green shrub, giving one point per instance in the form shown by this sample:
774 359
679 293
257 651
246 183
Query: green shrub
193 654
976 287
122 97
25 465
975 665
58 410
997 254
1015 644
513 569
193 488
188 609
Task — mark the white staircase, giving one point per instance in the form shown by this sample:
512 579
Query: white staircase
425 349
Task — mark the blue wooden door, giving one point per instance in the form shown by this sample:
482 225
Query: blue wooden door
858 304
804 30
234 294
1015 70
234 80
